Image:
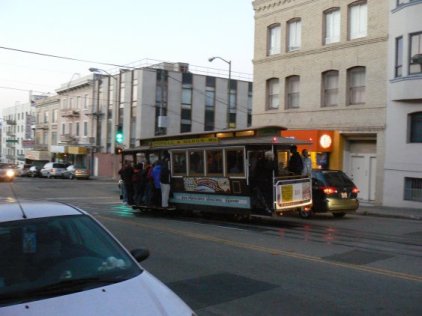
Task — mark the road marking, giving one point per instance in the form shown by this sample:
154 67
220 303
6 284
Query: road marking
272 251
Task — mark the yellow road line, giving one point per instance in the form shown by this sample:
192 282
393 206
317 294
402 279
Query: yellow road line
273 251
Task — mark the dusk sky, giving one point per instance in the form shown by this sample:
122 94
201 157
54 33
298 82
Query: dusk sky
116 32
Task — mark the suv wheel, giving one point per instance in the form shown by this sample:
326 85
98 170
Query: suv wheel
339 214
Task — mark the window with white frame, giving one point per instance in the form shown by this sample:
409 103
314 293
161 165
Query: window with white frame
63 129
356 85
415 51
413 189
332 26
415 127
292 88
294 40
85 101
330 88
398 67
273 92
274 39
55 115
358 20
85 128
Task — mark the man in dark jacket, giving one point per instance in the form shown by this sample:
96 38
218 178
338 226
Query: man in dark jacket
126 173
295 162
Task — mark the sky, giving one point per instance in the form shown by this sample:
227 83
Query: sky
116 32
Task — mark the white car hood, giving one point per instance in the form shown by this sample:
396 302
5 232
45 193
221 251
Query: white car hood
142 295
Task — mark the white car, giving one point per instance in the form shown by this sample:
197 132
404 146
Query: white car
7 172
56 259
53 170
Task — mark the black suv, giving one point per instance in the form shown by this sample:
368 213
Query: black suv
332 191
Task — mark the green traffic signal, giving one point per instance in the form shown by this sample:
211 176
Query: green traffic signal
119 136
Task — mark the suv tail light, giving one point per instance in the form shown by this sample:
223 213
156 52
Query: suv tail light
329 190
355 190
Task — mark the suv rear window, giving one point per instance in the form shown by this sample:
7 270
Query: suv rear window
335 178
59 165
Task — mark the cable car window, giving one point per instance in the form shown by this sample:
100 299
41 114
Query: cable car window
196 163
179 163
235 162
215 162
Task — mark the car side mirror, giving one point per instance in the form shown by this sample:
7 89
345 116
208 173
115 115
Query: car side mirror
140 254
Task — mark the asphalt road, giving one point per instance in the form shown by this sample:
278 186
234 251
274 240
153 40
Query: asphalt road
358 265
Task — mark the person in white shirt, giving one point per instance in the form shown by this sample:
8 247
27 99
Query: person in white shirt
307 163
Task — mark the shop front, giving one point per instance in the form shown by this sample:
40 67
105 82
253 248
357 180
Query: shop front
37 157
78 156
324 149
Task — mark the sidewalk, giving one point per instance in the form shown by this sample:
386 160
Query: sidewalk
383 211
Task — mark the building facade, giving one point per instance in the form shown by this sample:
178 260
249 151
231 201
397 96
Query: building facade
17 135
320 69
403 161
165 99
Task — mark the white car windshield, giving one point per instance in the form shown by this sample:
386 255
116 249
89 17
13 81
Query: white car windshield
54 256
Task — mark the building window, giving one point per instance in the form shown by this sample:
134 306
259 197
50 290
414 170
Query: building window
358 20
292 88
77 128
55 115
413 189
53 138
46 117
85 101
85 128
249 120
232 104
294 34
273 92
399 57
63 129
161 102
415 49
415 127
330 88
274 39
332 26
186 111
356 85
209 107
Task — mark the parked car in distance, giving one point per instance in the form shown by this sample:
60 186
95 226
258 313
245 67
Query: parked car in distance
34 171
7 172
76 172
66 263
53 170
22 170
334 192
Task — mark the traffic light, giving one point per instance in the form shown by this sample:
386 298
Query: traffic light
119 135
118 150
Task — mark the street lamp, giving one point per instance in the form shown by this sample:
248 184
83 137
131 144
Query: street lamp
211 59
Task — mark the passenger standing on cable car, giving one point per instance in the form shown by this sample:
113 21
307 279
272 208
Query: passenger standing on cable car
165 183
156 177
295 165
126 173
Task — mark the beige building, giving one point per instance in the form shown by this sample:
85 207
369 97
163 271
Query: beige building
320 66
